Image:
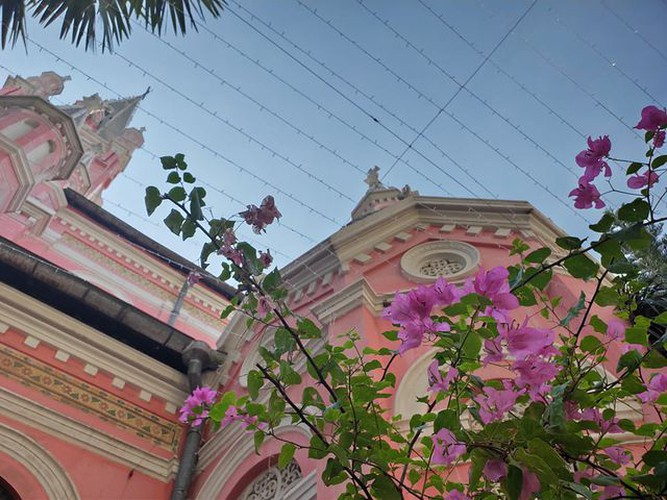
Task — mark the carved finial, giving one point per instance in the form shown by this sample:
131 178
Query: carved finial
373 179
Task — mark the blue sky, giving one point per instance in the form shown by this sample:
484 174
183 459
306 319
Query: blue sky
538 78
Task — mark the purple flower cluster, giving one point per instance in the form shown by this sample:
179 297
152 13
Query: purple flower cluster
196 408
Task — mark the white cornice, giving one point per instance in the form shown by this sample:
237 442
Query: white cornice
349 298
79 340
54 423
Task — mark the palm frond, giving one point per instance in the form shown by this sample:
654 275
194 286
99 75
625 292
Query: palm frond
12 16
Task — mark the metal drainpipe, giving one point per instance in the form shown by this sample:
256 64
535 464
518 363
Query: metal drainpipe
198 357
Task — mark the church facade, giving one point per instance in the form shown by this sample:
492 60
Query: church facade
103 331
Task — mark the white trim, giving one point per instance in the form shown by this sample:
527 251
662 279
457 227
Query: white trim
39 462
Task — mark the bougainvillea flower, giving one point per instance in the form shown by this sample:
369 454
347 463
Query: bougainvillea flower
493 285
444 293
493 350
639 181
612 491
408 307
523 341
656 386
262 216
618 455
494 403
456 495
436 381
652 118
265 258
616 329
195 408
446 448
592 158
529 486
494 470
534 373
659 139
232 415
607 426
586 195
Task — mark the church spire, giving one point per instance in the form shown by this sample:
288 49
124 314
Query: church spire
117 115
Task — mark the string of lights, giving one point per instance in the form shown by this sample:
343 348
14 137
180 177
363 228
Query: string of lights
193 139
381 124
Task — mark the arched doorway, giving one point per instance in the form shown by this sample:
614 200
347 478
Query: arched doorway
7 492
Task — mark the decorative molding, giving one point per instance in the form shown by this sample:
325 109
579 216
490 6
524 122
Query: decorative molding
85 343
383 247
426 262
74 392
48 472
59 426
349 298
231 452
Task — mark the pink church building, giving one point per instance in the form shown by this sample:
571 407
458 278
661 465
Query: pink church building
103 332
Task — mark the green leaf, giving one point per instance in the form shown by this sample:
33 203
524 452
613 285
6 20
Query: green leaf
654 360
471 345
284 341
196 202
384 488
649 135
153 199
636 335
551 457
513 483
580 266
635 211
307 329
590 343
604 224
659 161
168 162
173 178
633 168
538 256
318 449
227 311
654 457
188 177
255 382
518 247
258 439
288 375
630 360
272 281
661 319
574 311
188 230
286 455
174 221
180 161
177 194
391 335
446 419
607 296
598 325
569 242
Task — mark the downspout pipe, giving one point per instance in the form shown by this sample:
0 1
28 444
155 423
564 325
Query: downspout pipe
198 357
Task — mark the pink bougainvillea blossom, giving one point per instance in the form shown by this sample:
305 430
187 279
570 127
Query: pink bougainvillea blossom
592 158
262 216
523 341
493 350
607 426
612 491
534 373
265 258
618 455
436 381
445 294
408 307
232 415
616 329
639 181
659 139
494 403
229 237
653 118
656 386
494 286
586 195
529 486
446 448
196 406
494 470
456 495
